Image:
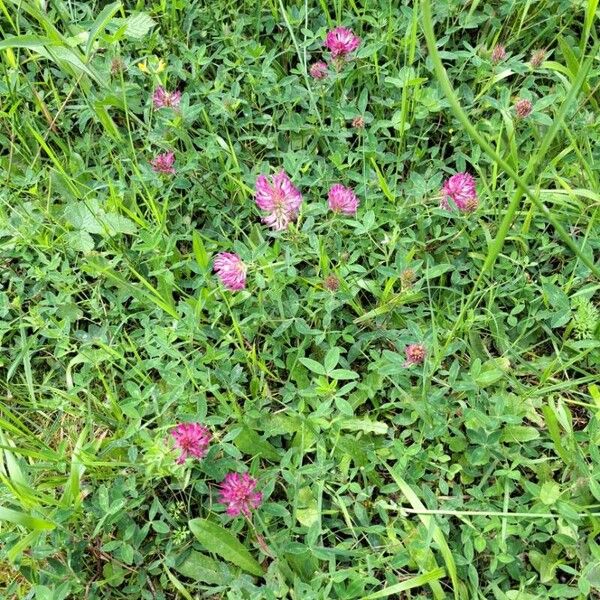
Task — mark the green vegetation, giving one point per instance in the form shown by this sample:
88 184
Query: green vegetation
474 474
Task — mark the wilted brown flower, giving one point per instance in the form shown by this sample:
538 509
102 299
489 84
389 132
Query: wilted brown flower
332 283
537 58
498 53
523 108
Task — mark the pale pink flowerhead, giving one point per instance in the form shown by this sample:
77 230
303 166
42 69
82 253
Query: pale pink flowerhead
163 99
498 53
238 493
460 188
279 198
318 70
358 122
415 354
163 163
341 41
231 271
192 439
523 108
342 199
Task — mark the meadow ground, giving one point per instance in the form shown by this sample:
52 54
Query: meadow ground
291 311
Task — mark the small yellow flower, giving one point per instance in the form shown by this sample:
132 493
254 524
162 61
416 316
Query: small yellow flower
152 66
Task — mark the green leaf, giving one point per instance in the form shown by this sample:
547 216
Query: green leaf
80 240
549 492
313 366
102 20
249 442
137 26
365 425
556 433
19 518
558 301
35 43
344 407
201 567
218 540
308 510
486 378
591 574
57 53
519 433
160 527
200 253
354 449
119 224
343 374
594 488
438 270
90 217
61 53
331 359
106 120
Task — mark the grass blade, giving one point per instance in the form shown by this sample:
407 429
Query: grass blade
432 526
408 584
19 518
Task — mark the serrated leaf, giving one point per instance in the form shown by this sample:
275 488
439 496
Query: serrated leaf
218 540
82 217
549 492
80 240
137 26
119 224
92 218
